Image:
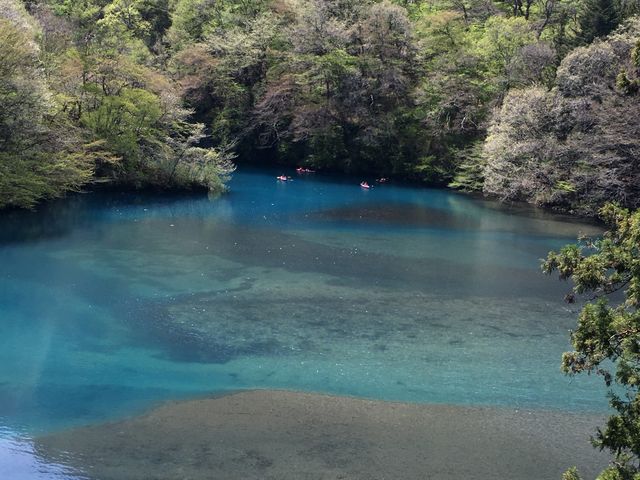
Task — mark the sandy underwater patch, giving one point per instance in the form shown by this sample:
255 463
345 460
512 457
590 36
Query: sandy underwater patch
286 435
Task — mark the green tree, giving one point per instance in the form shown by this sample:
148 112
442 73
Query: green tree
597 19
190 18
607 338
40 155
115 88
391 87
127 121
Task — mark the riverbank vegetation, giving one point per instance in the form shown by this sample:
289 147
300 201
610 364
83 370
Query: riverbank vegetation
83 101
608 333
531 100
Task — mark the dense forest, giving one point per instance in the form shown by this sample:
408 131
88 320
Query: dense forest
532 100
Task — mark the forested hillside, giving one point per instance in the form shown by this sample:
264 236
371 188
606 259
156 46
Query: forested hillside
527 100
578 145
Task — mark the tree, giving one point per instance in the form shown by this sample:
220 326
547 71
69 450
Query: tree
40 155
84 97
342 98
577 146
597 19
387 87
607 339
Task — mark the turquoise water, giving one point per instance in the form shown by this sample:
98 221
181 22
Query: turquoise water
111 303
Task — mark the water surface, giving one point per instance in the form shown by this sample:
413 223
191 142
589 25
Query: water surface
111 303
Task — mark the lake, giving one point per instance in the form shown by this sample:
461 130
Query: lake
111 303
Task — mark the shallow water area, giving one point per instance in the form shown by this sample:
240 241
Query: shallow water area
258 435
111 303
19 460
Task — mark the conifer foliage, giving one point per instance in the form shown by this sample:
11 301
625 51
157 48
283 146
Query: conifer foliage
607 339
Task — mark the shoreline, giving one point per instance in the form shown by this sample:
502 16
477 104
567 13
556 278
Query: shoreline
275 434
517 207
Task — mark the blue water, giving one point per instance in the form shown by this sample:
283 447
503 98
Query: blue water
111 302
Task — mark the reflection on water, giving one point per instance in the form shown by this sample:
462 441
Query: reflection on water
20 461
111 303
